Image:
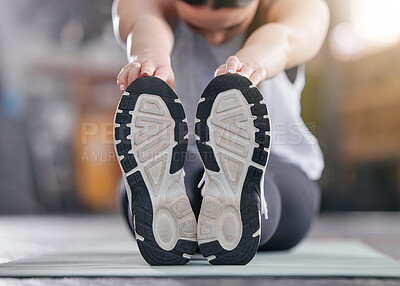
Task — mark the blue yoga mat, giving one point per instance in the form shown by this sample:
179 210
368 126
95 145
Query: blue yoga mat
313 258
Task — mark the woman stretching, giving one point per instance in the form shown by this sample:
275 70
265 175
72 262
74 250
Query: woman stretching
205 163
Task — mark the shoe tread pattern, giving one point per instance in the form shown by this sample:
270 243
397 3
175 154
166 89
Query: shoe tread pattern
250 202
142 208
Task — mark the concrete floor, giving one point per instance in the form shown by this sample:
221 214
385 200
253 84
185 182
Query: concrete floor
379 230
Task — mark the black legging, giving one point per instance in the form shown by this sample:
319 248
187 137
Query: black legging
293 201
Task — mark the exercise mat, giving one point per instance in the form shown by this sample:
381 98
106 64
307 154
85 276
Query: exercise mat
312 259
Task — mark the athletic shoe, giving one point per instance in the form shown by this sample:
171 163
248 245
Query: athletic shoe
150 138
233 138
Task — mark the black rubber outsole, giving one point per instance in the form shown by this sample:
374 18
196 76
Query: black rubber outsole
141 206
250 205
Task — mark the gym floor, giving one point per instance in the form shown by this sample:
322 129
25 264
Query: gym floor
45 233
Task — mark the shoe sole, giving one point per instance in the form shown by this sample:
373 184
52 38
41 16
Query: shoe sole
150 139
233 138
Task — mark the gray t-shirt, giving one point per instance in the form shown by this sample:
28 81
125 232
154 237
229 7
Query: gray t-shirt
194 62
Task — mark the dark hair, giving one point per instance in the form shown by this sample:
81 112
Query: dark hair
216 4
259 19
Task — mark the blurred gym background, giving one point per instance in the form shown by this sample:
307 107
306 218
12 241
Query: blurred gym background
58 67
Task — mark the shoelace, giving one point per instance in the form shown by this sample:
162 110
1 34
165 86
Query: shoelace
264 207
201 183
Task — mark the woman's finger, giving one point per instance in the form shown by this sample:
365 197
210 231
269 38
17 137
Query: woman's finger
258 76
122 78
133 72
148 68
165 73
246 71
162 72
220 70
171 81
232 64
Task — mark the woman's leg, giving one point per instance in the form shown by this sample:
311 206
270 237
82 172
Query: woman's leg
124 204
293 214
273 198
193 173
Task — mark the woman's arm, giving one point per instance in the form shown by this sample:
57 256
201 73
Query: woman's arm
294 34
145 28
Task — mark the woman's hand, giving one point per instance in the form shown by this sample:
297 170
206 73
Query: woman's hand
146 66
244 66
